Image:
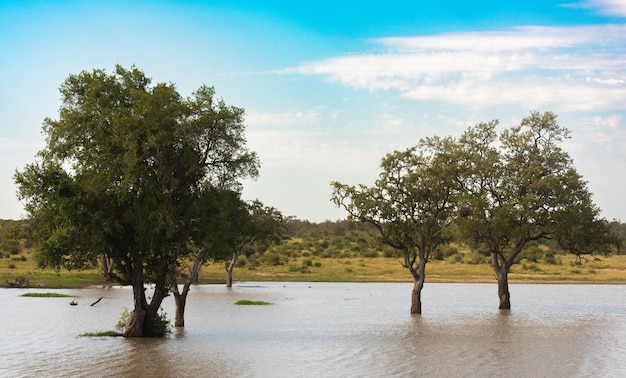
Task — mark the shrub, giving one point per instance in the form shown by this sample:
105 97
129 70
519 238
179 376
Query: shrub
449 250
273 259
533 254
370 253
550 258
438 255
241 261
392 253
162 325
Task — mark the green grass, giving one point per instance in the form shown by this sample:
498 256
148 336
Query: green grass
101 334
47 295
247 302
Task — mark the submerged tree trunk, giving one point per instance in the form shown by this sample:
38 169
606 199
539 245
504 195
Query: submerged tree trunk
231 266
136 319
503 289
142 320
419 275
181 300
107 266
180 297
229 270
416 297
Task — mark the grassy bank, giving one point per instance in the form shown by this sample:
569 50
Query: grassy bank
594 269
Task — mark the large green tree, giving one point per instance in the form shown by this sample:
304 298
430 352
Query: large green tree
124 169
410 206
521 186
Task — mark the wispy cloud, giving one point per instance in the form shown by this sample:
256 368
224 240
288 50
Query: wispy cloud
282 119
568 68
604 7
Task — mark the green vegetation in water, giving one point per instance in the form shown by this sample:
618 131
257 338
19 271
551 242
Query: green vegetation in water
47 295
247 302
101 334
162 325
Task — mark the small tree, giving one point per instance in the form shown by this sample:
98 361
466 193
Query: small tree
264 225
220 214
410 206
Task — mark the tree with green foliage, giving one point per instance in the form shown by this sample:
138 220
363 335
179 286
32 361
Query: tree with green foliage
411 205
264 224
220 213
519 187
123 172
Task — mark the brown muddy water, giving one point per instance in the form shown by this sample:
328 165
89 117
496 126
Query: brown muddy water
326 330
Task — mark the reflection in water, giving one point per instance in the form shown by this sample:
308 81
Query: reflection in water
325 329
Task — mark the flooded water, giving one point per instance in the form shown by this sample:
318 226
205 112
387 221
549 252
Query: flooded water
326 330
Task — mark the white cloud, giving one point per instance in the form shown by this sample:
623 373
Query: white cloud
566 68
604 7
282 119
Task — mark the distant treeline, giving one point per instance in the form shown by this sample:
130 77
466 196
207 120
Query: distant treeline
327 239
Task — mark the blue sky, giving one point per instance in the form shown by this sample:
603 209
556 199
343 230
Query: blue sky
330 87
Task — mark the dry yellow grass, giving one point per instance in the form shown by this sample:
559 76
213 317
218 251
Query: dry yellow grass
593 269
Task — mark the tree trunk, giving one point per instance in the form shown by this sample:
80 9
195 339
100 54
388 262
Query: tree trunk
503 289
107 266
135 324
229 270
180 300
419 275
416 297
136 319
141 321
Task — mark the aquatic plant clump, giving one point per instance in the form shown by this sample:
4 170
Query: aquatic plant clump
47 295
247 302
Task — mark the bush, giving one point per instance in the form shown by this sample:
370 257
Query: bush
370 253
388 252
533 254
273 259
299 268
550 258
162 325
438 255
241 261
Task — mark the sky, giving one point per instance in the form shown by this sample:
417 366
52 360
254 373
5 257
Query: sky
330 87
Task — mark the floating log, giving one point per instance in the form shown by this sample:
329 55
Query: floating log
99 299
